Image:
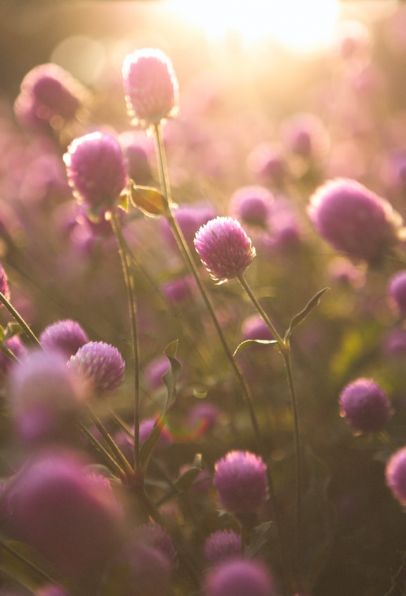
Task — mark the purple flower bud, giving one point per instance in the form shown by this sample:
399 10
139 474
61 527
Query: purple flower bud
151 86
137 158
221 545
251 204
65 337
45 396
155 371
397 291
396 475
240 480
224 248
96 169
4 287
152 534
239 577
100 363
70 516
254 327
353 219
52 92
178 290
365 406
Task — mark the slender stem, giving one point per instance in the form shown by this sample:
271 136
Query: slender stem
132 310
16 315
246 393
114 448
110 461
33 566
8 353
284 348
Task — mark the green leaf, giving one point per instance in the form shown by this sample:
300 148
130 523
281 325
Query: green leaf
304 313
247 342
23 565
124 202
150 443
12 328
148 199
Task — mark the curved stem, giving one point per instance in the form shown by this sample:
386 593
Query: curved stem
284 348
132 311
246 393
16 315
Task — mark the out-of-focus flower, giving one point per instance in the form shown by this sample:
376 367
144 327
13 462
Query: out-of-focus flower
224 248
251 205
148 569
146 428
240 480
396 475
152 534
65 336
96 169
306 136
189 218
101 364
254 327
151 86
204 415
397 291
239 577
178 290
4 287
268 164
16 347
155 371
221 545
137 157
67 514
353 41
344 272
365 406
395 343
354 220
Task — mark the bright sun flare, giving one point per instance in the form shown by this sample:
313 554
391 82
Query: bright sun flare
302 25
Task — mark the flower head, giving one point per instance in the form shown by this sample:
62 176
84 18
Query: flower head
396 475
239 577
63 336
100 363
96 169
254 327
221 545
397 291
365 406
151 86
354 220
224 248
251 204
240 480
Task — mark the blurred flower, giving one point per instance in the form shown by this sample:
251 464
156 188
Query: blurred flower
239 577
365 406
353 41
396 475
353 219
306 136
151 86
96 169
342 271
254 327
4 287
251 205
152 534
397 291
137 153
204 415
146 428
189 218
240 480
221 545
268 164
70 516
224 248
155 371
15 345
100 363
395 343
148 569
178 290
65 337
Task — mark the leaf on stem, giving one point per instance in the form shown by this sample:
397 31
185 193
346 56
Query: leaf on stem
304 313
247 342
148 199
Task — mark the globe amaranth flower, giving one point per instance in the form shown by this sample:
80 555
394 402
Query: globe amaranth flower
221 545
96 170
65 336
101 364
396 475
365 406
241 483
67 514
224 248
148 570
154 535
306 135
268 164
397 291
137 154
354 220
251 205
239 577
150 85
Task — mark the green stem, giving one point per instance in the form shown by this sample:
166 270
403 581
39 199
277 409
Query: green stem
246 393
16 315
32 566
132 310
109 460
114 448
284 348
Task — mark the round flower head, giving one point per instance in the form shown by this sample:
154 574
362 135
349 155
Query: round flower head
365 406
65 337
178 290
239 577
96 169
152 534
137 153
305 135
354 220
251 205
268 164
100 363
4 287
150 85
224 248
396 475
254 327
240 480
397 291
221 545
